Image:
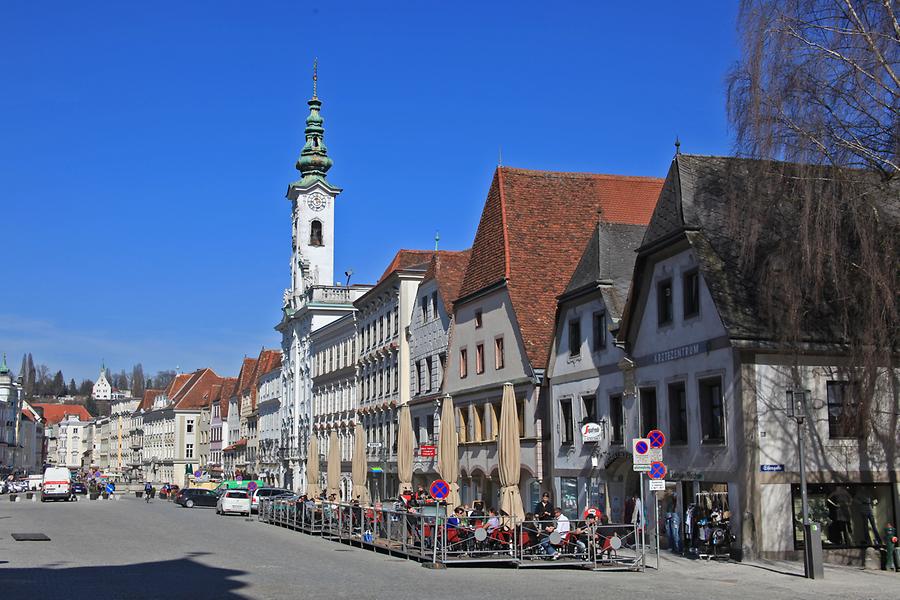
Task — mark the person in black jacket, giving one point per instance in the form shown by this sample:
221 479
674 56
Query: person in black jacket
543 510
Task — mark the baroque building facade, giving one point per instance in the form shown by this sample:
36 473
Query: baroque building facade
312 300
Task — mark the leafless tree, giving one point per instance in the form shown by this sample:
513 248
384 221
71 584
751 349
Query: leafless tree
137 380
818 85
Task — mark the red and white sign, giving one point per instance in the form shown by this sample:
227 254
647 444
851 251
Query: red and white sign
428 451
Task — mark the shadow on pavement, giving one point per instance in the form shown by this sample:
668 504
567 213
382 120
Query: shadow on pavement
180 578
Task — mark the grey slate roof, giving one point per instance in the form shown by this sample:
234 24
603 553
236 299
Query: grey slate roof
609 258
694 204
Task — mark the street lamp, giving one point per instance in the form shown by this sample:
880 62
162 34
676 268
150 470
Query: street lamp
812 536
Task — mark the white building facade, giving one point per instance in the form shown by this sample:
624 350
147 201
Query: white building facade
313 300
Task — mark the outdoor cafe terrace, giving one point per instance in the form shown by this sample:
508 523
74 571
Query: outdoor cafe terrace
428 535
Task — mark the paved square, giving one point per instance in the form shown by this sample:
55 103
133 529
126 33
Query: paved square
130 549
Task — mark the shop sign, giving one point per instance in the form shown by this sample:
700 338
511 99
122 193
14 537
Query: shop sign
428 451
591 432
679 352
771 468
685 475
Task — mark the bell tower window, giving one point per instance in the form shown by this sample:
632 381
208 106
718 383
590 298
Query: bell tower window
315 233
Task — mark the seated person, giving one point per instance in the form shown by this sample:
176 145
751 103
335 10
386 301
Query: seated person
456 519
493 522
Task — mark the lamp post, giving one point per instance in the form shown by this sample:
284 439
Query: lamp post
812 536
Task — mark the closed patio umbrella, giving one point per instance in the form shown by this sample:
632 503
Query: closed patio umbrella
360 491
509 455
333 475
405 451
312 467
448 451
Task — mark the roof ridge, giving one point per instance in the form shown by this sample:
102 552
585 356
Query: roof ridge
503 221
581 174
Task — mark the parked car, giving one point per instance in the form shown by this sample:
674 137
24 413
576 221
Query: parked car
233 501
79 488
191 497
265 492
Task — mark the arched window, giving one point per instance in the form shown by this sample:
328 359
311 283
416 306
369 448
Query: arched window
315 233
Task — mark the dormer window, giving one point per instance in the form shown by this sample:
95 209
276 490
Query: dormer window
315 233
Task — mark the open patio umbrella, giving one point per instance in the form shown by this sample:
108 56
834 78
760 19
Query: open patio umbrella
312 467
405 450
360 491
333 481
509 455
448 451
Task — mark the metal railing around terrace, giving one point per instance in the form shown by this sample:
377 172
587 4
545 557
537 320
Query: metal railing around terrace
431 537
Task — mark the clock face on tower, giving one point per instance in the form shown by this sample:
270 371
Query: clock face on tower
316 201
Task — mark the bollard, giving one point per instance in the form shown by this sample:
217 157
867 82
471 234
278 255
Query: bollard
890 537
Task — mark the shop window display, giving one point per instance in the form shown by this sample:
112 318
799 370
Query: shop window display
850 515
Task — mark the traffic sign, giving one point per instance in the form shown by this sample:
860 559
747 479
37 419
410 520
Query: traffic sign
657 485
640 446
251 486
198 473
439 489
374 445
657 438
239 478
657 471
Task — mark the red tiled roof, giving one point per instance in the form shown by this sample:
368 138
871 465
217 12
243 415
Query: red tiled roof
264 363
234 446
245 377
406 259
534 226
54 413
448 268
147 401
176 384
195 393
228 385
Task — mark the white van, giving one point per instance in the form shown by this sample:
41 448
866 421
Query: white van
57 484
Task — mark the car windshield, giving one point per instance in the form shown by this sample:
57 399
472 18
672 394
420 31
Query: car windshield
236 495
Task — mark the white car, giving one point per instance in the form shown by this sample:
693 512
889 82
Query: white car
233 501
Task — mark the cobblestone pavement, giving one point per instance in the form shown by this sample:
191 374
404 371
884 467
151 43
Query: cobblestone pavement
130 549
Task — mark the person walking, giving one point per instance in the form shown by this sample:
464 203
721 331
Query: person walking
148 491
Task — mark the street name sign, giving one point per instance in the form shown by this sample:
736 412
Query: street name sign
771 468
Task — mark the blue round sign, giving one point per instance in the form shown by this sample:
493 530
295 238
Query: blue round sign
641 447
440 489
657 470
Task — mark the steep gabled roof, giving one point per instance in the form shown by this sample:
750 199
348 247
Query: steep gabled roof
228 386
54 413
195 394
245 377
448 268
176 384
608 262
533 231
266 362
407 259
694 207
146 402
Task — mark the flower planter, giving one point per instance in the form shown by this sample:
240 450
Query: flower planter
29 495
138 494
93 495
106 495
12 497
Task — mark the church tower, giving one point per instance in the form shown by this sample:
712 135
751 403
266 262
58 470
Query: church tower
312 201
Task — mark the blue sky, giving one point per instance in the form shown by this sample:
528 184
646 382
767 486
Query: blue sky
144 155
